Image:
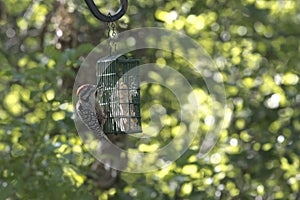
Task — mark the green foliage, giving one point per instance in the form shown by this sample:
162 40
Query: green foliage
255 43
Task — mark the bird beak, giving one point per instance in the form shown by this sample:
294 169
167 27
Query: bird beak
95 90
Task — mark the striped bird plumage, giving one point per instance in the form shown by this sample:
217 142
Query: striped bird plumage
88 109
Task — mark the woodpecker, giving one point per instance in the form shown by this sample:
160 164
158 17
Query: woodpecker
89 110
91 114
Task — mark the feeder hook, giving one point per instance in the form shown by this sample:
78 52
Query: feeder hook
93 8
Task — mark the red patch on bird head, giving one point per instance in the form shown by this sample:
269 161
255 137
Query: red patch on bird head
80 88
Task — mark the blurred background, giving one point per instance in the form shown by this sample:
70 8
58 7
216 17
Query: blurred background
256 45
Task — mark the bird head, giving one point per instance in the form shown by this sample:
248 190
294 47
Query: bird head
86 91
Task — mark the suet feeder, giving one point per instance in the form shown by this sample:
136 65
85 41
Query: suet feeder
119 86
118 81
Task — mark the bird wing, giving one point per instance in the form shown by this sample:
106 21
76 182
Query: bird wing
89 118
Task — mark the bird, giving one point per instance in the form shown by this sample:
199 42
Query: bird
92 115
89 110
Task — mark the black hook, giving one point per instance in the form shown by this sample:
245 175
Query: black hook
93 8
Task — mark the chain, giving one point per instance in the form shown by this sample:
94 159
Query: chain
112 36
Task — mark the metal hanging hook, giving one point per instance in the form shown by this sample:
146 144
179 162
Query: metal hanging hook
93 8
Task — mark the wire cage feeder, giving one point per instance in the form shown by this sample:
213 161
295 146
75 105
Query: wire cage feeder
119 85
